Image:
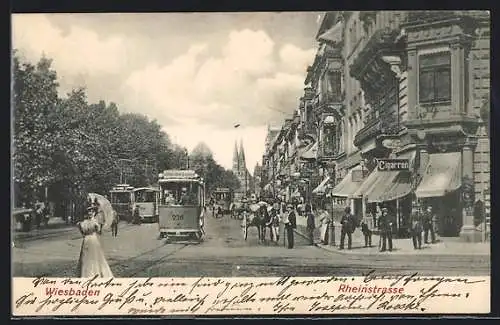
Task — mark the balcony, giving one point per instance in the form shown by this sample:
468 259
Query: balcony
375 127
370 68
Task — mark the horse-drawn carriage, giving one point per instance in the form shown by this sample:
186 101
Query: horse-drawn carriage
260 216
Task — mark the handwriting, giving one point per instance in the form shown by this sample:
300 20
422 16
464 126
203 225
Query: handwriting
372 293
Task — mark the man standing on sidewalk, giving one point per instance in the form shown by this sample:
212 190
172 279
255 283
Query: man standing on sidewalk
347 222
429 225
310 224
416 228
385 226
290 225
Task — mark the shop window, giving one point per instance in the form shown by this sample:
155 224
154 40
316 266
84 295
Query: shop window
435 77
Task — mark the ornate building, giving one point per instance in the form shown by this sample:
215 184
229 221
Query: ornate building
240 170
388 85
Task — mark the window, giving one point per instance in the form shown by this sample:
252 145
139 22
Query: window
335 85
329 144
179 193
120 197
435 77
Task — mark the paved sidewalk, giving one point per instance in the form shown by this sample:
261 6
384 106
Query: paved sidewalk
444 246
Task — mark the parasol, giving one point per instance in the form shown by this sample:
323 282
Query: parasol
262 203
254 207
105 207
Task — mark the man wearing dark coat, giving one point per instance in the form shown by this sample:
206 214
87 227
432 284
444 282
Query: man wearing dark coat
385 226
348 224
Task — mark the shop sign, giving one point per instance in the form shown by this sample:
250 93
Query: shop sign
388 165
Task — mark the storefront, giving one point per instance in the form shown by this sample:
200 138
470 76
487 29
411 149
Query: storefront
343 191
389 185
439 188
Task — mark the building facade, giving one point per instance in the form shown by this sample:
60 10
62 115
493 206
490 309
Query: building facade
389 86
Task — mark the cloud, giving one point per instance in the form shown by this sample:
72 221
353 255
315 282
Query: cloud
197 90
222 142
79 50
245 82
296 59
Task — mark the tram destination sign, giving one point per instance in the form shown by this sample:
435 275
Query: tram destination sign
388 165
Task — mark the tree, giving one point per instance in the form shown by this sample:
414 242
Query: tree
35 103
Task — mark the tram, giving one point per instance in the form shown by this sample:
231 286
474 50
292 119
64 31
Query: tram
122 199
223 199
181 208
146 200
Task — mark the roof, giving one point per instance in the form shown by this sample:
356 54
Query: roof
179 176
145 189
122 188
222 189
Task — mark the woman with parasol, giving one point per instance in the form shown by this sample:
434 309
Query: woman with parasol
92 261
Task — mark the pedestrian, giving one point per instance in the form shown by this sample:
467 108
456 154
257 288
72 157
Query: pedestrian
385 226
416 229
136 217
429 225
114 224
310 223
92 261
290 224
99 215
367 233
275 224
347 223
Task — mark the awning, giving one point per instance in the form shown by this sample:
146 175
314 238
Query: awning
311 153
393 184
442 175
334 34
347 186
381 186
321 188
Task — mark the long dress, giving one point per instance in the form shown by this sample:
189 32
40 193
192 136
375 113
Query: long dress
92 261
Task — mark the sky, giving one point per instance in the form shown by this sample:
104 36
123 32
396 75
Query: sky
197 74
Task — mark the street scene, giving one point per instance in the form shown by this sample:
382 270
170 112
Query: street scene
347 142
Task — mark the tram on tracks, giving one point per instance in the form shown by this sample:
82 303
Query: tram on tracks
122 198
182 205
223 198
146 200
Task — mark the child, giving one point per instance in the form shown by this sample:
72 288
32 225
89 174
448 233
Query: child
367 233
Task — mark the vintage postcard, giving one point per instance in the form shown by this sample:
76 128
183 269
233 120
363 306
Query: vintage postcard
248 163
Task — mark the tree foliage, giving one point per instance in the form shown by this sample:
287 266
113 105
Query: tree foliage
202 161
74 147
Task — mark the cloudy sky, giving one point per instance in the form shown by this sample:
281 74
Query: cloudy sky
198 74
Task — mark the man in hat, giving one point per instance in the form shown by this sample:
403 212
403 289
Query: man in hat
428 225
114 224
385 226
290 222
416 228
347 222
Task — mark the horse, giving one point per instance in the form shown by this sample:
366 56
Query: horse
255 219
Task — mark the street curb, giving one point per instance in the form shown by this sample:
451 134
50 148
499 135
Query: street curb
347 252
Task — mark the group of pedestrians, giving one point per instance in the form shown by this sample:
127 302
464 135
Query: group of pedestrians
422 222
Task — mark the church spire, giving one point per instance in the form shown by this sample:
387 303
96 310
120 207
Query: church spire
242 161
236 158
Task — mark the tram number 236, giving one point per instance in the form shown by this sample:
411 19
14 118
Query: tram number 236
177 217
